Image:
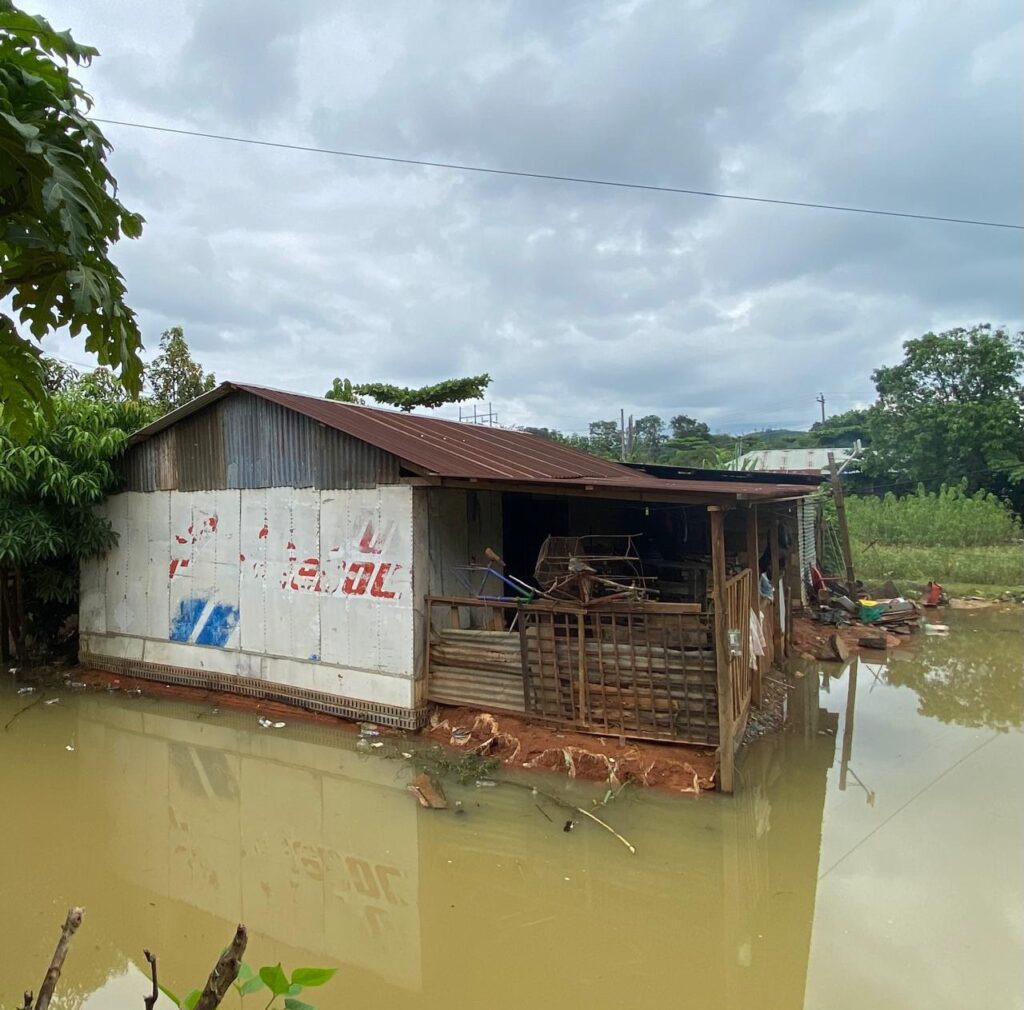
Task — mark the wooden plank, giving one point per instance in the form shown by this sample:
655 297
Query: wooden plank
753 559
773 544
726 755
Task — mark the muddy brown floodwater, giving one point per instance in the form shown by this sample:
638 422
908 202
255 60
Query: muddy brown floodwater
871 857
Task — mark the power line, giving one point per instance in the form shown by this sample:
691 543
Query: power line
903 806
550 177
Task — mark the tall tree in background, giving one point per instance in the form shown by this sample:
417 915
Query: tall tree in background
841 430
605 439
59 215
342 391
953 409
175 377
407 399
683 426
648 439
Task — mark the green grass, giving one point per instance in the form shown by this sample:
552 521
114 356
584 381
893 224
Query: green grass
999 567
947 518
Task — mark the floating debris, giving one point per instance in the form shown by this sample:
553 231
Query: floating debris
428 793
377 743
485 783
70 746
26 690
368 729
52 701
136 692
269 724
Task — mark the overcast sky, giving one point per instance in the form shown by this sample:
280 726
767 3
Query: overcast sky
288 268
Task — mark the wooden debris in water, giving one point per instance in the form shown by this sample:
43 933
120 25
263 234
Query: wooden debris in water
427 792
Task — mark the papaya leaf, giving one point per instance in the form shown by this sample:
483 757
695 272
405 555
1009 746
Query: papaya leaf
274 979
311 977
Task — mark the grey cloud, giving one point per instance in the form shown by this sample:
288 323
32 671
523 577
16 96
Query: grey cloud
288 268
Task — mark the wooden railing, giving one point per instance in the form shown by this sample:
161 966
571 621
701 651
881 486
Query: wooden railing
738 604
646 670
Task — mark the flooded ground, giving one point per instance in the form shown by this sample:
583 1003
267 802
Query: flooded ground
870 859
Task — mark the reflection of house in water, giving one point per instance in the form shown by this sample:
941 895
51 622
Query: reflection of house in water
328 860
318 855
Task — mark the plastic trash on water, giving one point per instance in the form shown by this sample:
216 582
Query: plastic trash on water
52 701
368 729
485 783
269 723
26 690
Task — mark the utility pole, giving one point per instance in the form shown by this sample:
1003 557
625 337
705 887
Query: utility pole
844 529
821 399
622 435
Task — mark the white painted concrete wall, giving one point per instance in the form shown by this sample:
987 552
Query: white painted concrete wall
314 589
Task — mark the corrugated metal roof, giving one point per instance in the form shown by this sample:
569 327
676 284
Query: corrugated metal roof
791 460
459 451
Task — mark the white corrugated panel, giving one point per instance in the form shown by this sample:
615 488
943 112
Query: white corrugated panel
297 586
806 515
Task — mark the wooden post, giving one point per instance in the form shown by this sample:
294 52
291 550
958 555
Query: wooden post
779 599
753 556
726 744
844 529
581 668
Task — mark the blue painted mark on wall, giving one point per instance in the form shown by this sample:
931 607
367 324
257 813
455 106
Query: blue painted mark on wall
217 630
189 612
202 622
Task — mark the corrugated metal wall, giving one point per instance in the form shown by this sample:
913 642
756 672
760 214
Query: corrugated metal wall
247 442
806 517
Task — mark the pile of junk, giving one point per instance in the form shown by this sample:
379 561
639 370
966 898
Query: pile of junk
880 609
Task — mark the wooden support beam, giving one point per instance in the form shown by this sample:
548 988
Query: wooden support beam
726 744
753 557
780 600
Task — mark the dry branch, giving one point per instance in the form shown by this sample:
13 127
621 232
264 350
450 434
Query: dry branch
71 923
150 1000
225 971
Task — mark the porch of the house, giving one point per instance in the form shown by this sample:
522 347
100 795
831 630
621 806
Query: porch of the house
682 660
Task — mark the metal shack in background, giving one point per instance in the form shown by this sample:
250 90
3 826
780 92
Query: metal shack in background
286 546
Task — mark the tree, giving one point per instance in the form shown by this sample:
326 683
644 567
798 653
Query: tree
175 377
952 409
683 426
48 489
605 439
343 392
59 215
648 439
842 430
437 395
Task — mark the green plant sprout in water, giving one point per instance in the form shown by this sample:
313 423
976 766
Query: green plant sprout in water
271 978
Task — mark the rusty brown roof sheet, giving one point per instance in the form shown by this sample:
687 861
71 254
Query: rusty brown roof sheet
460 451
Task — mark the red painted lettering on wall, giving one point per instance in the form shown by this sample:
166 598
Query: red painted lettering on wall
377 589
262 535
364 569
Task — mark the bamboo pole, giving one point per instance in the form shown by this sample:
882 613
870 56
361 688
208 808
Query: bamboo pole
844 529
